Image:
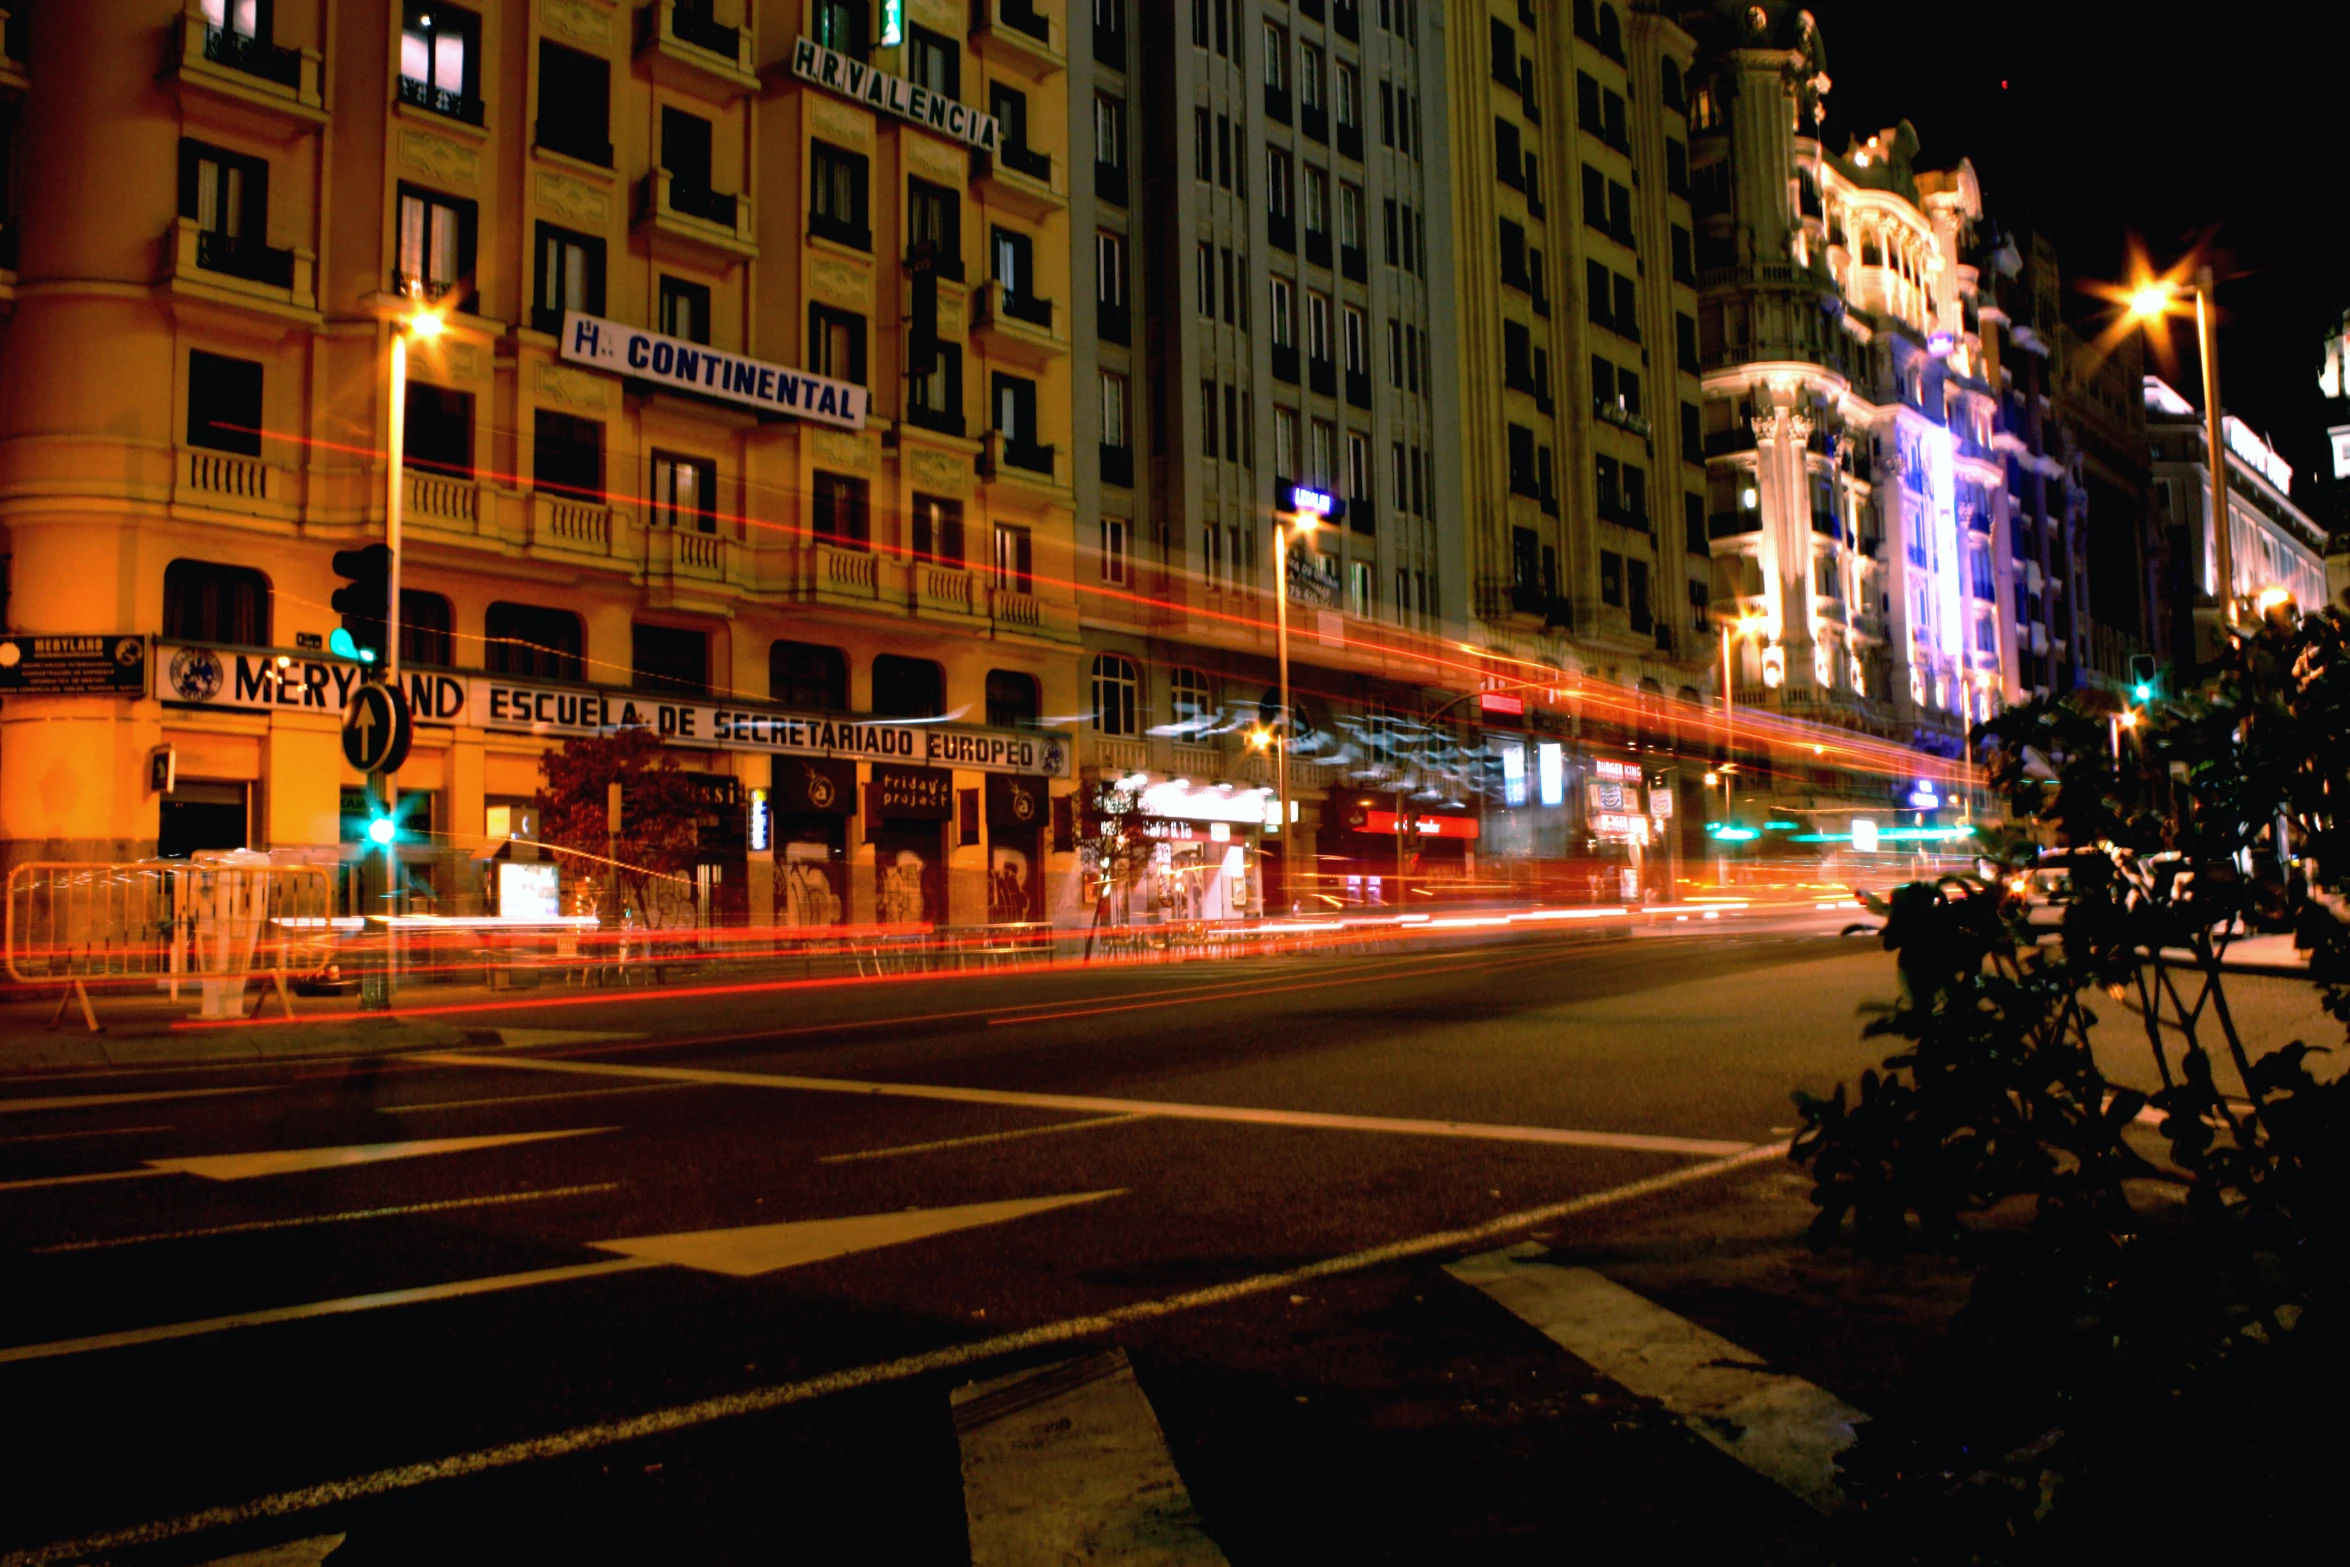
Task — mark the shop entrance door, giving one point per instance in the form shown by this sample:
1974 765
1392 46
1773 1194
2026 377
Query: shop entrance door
202 814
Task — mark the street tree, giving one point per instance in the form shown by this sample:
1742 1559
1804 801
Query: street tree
644 866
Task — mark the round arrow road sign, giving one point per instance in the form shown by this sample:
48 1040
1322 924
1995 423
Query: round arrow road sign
376 729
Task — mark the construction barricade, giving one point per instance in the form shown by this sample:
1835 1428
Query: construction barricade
216 922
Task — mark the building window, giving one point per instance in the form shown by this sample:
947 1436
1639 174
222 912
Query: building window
1285 443
1116 556
227 193
436 245
1611 578
440 69
843 26
836 196
685 309
1317 326
1362 598
1115 431
205 602
685 492
936 399
1014 700
1190 705
934 62
1322 461
224 403
1109 132
936 528
532 643
908 687
1117 685
808 675
440 430
836 344
1358 479
838 510
567 455
1636 595
427 631
1014 558
575 104
1358 342
934 217
571 276
669 659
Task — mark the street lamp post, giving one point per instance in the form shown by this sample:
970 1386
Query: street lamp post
423 324
1305 523
2152 302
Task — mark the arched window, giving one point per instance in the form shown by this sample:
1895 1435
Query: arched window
1670 87
533 642
1012 699
1117 687
1190 707
908 687
1611 33
207 602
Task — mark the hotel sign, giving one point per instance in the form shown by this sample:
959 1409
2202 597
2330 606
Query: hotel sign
709 372
245 680
837 72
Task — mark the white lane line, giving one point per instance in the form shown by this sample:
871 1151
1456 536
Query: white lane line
972 1142
305 1220
603 1434
524 1099
96 1131
291 1161
1782 1427
1067 1463
90 1101
750 1250
1639 1142
341 1306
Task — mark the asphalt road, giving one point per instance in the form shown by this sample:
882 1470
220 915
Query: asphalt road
564 1295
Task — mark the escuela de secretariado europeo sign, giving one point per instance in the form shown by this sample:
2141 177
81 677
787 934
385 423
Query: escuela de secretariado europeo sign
193 675
917 105
709 372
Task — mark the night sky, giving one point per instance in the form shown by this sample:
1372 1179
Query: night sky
2090 120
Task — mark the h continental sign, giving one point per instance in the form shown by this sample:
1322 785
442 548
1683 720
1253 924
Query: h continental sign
909 101
710 372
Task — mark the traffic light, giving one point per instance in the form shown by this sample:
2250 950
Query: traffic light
363 600
2145 677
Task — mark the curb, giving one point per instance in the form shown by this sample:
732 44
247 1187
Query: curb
242 1047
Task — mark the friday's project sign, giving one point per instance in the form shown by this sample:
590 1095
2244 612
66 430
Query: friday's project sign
244 680
709 372
918 105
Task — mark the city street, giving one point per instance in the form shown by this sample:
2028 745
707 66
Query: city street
649 1279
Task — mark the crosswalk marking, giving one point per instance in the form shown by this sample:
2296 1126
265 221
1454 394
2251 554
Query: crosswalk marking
602 1434
1637 1142
1067 1463
294 1553
1780 1426
751 1250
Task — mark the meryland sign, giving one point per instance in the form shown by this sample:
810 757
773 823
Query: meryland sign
249 680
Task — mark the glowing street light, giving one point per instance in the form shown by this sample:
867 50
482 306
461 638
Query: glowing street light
2152 301
1312 509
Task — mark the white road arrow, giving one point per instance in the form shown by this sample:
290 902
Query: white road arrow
288 1161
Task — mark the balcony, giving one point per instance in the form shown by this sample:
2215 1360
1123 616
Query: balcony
840 231
1016 327
1322 376
1318 247
942 589
225 481
1019 180
1011 35
208 263
939 421
705 223
1117 464
690 52
685 553
1276 104
1012 607
572 142
1353 263
231 65
461 107
1358 388
1608 411
441 503
1285 363
1009 456
1732 524
566 525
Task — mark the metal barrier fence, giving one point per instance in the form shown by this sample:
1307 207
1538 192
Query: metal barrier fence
215 923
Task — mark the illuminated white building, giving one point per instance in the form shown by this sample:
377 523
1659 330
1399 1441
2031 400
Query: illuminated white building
2273 544
1858 466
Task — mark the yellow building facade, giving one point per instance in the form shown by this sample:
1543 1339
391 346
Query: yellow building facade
194 410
